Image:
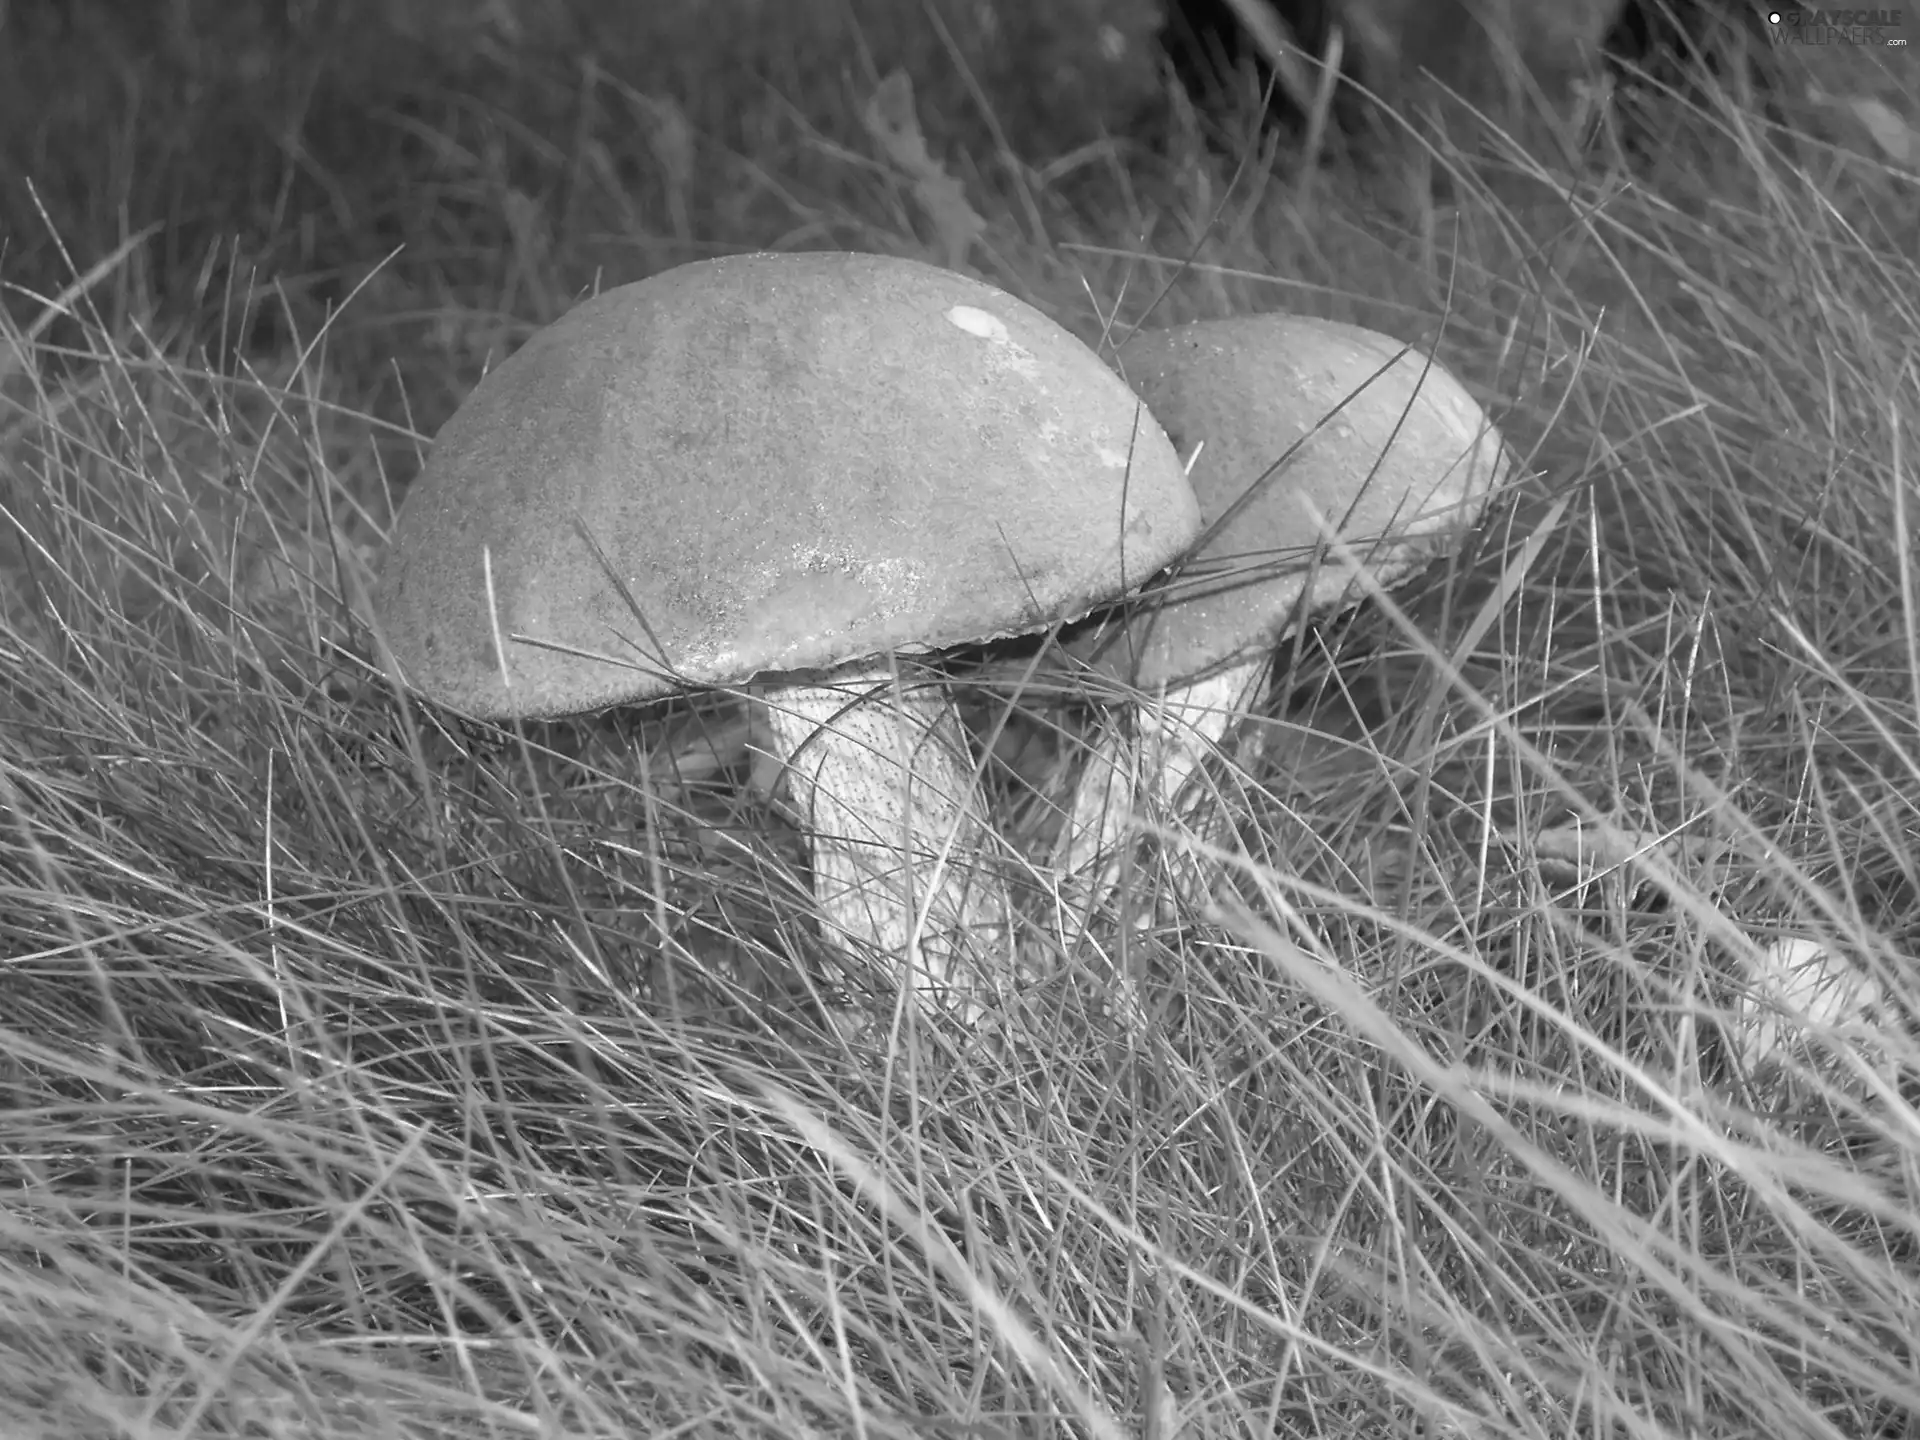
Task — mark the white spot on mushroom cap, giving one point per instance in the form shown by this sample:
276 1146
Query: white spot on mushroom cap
986 326
978 322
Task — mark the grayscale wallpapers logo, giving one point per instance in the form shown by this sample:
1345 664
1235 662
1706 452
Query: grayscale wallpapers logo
1839 27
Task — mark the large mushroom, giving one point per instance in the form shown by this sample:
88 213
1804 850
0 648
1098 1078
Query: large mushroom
789 471
1289 416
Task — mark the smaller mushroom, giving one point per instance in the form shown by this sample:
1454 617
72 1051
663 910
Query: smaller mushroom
791 474
1285 413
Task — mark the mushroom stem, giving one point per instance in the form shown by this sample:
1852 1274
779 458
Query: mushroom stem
1145 759
904 862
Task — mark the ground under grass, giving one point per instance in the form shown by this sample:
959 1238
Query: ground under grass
367 1072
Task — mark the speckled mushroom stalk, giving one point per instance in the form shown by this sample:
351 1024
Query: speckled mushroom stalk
905 863
1139 769
1385 445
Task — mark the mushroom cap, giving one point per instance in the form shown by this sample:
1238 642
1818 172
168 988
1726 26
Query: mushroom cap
785 463
1400 471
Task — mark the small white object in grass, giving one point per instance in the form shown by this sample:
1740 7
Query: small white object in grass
1800 989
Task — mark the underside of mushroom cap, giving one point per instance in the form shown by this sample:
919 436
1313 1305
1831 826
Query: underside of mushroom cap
770 463
1400 471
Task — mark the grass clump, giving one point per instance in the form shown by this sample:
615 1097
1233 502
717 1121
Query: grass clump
368 1072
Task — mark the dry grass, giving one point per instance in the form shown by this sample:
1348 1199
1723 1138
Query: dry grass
369 1073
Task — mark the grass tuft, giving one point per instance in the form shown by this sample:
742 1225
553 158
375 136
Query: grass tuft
369 1072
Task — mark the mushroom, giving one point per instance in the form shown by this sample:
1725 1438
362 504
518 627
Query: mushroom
790 472
1281 409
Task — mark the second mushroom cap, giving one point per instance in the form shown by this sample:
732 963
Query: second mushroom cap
1404 461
